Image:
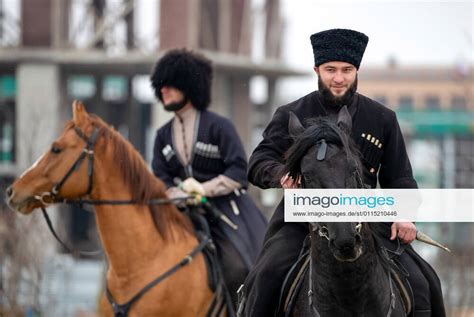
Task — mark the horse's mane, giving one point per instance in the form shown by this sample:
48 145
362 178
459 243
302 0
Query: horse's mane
317 129
143 185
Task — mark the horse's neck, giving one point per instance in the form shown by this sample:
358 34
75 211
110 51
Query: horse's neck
363 283
128 233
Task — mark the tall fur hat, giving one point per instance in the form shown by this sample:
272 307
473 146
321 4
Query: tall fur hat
187 71
339 45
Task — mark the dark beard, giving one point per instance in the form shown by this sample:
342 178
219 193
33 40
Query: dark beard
333 100
176 106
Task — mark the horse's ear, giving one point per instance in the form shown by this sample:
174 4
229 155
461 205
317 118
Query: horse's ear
344 119
79 113
295 127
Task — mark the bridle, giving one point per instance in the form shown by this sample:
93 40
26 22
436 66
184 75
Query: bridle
48 198
323 231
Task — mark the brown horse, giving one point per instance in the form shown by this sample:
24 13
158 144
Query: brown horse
141 241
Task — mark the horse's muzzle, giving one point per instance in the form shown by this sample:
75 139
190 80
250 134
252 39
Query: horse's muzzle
24 205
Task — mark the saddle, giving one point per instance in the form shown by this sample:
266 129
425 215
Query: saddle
296 275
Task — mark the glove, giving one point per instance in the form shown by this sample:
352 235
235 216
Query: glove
192 186
175 192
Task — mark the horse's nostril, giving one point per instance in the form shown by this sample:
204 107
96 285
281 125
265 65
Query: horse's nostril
9 191
347 244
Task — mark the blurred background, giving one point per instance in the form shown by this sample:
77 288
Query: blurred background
419 62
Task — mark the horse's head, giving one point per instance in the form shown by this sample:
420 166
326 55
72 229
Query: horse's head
344 239
62 171
323 154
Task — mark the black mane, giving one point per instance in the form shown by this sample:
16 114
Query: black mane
317 129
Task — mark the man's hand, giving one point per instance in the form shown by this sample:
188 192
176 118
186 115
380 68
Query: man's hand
406 231
192 186
175 192
288 182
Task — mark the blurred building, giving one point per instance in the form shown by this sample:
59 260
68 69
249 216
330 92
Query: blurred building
435 107
56 51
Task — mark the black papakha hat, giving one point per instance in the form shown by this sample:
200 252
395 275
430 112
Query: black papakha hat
187 71
339 45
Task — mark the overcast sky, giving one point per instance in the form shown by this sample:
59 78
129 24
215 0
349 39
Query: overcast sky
420 32
412 32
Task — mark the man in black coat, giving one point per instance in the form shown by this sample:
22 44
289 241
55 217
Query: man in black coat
200 152
337 57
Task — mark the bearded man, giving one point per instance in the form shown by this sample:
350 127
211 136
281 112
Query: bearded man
375 130
200 152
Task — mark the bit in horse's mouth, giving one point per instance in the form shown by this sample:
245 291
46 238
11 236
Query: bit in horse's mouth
24 206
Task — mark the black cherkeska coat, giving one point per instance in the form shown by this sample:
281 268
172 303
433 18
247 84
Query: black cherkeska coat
374 129
376 132
217 150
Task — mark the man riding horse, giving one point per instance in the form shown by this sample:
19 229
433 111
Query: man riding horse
375 130
199 152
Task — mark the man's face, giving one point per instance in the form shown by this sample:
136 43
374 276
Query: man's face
171 95
337 77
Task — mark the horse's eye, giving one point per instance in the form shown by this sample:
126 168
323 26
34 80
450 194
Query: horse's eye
55 149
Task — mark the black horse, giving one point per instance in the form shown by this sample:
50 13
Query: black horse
348 273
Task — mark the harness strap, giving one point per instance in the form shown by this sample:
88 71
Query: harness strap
158 201
121 310
90 168
404 292
155 201
392 296
310 291
88 150
64 245
74 167
295 287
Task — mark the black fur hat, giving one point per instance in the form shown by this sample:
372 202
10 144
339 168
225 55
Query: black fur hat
339 45
187 71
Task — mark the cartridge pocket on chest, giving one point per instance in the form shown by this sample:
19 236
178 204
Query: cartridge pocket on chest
371 148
